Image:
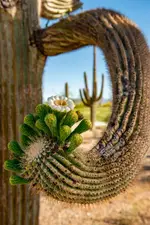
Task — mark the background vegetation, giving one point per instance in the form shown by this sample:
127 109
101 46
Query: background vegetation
103 111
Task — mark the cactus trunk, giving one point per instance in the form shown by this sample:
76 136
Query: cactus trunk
21 68
93 114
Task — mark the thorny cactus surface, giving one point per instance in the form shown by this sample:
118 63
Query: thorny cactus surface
21 69
91 101
44 134
108 168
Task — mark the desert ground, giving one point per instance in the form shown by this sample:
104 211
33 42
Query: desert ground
130 208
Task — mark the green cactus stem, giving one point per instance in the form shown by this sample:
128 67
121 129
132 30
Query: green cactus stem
92 101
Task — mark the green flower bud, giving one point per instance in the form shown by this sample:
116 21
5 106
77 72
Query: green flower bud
25 141
70 119
51 122
75 140
84 125
41 110
14 147
64 131
40 124
14 180
12 165
27 131
30 120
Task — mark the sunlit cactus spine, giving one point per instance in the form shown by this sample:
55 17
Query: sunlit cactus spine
43 134
66 90
91 101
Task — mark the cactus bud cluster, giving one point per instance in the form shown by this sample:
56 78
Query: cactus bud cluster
47 131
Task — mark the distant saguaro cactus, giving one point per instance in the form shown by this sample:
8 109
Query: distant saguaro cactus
92 101
66 90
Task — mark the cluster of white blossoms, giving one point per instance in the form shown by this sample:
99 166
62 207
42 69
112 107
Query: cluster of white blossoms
61 103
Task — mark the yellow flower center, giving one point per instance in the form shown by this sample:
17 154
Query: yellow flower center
60 102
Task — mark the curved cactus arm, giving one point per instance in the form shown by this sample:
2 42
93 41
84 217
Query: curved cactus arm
85 81
86 95
53 9
102 89
127 137
82 98
131 97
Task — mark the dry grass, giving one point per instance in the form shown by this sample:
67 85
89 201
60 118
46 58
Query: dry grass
129 208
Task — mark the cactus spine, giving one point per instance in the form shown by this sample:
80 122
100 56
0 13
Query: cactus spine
66 90
21 68
94 99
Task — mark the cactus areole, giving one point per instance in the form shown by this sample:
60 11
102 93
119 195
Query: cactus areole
47 157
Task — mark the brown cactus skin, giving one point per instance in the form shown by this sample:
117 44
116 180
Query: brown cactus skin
54 9
94 99
112 164
21 68
66 90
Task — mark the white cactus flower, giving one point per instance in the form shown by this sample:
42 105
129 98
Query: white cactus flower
61 103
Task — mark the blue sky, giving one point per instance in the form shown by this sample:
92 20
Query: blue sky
69 67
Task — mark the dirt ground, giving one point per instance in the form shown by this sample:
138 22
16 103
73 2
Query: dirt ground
129 208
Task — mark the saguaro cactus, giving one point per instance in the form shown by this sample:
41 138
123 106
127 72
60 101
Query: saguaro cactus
110 166
94 99
66 90
21 68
